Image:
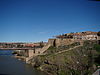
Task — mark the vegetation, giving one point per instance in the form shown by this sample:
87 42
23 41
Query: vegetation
97 47
98 33
97 58
78 61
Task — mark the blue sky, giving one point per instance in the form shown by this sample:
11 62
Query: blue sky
39 20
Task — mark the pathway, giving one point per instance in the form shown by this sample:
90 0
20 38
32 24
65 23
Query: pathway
68 49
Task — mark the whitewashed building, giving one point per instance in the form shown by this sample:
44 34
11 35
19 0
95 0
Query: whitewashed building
85 35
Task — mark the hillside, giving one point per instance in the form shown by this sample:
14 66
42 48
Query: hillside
73 59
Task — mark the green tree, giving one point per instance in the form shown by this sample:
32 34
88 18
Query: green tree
41 44
98 33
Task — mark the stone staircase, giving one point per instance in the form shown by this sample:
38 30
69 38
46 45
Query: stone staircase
44 48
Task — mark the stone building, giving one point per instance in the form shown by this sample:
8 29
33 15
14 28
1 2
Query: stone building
88 35
85 35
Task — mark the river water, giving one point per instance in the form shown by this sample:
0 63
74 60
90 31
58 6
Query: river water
11 66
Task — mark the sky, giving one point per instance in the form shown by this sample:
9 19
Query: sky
39 20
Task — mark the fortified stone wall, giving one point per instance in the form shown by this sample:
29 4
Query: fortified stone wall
51 42
58 42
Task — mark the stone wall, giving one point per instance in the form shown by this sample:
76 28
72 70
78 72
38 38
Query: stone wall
51 42
58 42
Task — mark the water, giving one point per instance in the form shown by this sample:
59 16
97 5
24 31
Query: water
6 52
11 66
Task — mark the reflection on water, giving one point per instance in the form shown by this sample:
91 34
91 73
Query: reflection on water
6 52
11 66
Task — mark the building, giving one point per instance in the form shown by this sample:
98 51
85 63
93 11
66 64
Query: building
88 35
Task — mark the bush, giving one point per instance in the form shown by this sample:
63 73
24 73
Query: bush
97 47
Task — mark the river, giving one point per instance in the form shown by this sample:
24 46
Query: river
11 66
